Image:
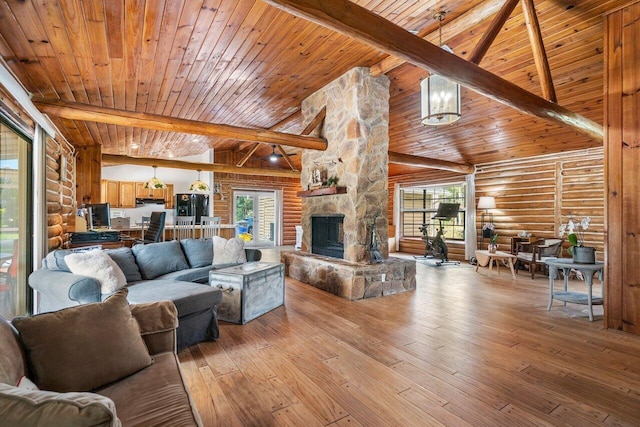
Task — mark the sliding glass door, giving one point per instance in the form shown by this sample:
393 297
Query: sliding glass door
256 216
15 221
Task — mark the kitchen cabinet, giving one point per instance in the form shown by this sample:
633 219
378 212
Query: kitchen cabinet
110 193
127 194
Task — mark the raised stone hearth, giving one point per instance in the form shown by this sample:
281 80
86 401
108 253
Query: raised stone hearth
348 280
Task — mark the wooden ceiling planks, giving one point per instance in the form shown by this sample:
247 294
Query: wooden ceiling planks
244 63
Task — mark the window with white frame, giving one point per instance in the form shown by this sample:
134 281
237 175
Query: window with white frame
419 204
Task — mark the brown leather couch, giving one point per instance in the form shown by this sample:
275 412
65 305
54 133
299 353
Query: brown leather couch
153 395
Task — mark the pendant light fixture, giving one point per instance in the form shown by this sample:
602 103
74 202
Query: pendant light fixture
198 185
440 96
154 183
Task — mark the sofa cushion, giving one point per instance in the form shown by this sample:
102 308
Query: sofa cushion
12 358
228 251
127 263
188 297
84 347
156 396
100 266
199 252
156 259
197 275
22 407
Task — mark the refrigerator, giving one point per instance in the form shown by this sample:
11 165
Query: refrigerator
189 204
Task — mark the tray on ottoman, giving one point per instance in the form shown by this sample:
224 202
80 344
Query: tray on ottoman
248 290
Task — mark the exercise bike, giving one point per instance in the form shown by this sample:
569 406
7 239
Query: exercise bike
436 247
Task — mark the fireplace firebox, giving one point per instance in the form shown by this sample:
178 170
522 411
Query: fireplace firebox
327 235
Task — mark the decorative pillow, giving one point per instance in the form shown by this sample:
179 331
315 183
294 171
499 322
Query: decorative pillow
55 259
84 347
100 266
199 252
156 259
127 263
228 251
22 407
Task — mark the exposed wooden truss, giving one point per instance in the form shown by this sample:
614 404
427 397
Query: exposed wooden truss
92 113
423 162
494 29
357 22
539 54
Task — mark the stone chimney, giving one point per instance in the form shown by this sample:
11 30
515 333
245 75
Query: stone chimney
356 129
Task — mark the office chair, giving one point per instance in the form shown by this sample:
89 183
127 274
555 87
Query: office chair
155 231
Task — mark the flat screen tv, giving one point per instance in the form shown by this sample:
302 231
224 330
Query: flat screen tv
100 215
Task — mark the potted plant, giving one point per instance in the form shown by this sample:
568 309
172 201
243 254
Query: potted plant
576 230
493 246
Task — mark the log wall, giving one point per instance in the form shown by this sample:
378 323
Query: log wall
534 194
60 192
539 194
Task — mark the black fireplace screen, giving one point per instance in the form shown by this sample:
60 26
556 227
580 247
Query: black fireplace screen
327 235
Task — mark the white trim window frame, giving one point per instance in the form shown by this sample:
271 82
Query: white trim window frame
419 203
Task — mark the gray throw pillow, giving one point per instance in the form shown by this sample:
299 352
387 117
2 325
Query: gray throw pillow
156 259
127 263
199 252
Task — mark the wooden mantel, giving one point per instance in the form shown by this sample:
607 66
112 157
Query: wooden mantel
324 191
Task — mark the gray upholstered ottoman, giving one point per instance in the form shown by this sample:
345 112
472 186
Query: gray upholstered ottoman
196 303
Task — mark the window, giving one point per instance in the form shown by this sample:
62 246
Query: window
15 221
419 204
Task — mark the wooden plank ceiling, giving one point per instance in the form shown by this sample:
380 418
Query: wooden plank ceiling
245 63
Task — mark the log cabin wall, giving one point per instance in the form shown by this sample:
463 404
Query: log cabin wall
534 194
622 159
60 191
538 194
292 204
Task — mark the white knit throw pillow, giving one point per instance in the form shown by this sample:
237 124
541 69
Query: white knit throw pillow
100 266
228 251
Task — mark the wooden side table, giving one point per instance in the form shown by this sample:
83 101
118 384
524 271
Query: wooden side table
486 257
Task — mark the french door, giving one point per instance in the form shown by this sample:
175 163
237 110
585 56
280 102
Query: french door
257 216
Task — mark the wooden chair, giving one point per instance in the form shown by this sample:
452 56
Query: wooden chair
534 254
184 227
209 226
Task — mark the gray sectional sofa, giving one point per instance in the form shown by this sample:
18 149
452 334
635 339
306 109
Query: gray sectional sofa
172 270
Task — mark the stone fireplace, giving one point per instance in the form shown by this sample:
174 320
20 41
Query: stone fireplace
356 129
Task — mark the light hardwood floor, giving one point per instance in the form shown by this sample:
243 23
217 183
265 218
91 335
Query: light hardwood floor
465 348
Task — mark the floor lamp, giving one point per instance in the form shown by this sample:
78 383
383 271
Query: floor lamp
486 203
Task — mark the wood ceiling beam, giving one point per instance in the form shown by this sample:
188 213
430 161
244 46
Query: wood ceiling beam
539 53
92 113
469 19
424 162
211 167
286 158
494 29
361 24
